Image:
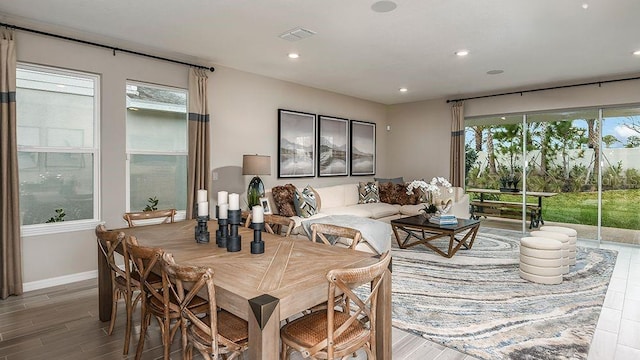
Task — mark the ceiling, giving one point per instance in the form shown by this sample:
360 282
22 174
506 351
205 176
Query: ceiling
367 54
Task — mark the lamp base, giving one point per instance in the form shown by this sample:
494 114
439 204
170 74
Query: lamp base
255 191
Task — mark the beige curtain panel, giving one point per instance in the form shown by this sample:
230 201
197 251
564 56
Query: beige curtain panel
198 171
10 253
457 144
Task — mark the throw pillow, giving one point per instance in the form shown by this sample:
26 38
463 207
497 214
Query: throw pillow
368 192
283 196
387 193
406 199
397 180
306 202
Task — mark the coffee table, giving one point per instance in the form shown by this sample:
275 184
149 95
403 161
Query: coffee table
420 231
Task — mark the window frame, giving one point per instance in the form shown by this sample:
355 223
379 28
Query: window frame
70 225
181 214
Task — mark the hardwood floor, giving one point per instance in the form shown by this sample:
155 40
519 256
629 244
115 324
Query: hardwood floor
62 323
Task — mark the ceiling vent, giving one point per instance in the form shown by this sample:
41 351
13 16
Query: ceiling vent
297 34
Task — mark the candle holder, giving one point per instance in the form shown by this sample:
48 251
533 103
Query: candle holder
234 241
257 245
201 231
222 234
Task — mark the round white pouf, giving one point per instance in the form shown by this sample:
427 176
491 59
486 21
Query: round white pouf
573 237
564 239
541 260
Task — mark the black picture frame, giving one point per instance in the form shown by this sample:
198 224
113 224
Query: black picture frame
333 146
363 148
296 144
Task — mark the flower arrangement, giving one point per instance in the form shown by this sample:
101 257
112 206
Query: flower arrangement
432 187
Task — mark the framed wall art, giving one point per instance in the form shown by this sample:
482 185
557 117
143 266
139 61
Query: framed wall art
296 144
333 146
363 148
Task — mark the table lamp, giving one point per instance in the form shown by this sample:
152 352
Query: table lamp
255 165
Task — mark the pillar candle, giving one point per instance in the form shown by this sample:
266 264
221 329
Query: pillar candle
234 201
202 196
203 208
258 214
223 197
223 211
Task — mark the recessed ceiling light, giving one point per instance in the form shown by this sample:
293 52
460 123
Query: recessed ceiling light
293 55
495 72
60 86
462 52
637 52
383 6
585 6
403 90
503 118
133 108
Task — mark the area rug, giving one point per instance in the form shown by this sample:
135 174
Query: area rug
477 303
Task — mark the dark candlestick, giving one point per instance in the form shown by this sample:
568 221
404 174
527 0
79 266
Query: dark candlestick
201 231
222 234
234 241
257 245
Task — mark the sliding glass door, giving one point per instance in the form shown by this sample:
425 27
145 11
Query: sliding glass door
580 168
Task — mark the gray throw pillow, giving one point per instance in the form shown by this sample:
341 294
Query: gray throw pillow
397 180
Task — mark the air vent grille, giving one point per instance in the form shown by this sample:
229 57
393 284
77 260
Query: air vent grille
297 34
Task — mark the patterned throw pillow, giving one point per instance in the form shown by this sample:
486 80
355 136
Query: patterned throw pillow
387 193
403 198
369 192
307 202
283 196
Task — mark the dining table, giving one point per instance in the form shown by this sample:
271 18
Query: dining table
263 289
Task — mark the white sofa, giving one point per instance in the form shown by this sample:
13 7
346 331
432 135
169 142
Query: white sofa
343 200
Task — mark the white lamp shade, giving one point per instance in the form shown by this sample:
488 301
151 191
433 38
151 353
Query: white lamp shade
256 165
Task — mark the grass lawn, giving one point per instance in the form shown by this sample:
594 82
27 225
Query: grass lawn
620 208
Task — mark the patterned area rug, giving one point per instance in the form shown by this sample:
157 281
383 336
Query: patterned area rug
477 303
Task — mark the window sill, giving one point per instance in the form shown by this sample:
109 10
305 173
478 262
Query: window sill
59 227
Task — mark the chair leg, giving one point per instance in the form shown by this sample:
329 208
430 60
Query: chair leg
114 309
127 335
146 318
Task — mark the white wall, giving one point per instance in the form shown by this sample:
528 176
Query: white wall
243 111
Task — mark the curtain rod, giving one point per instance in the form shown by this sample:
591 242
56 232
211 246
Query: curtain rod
599 83
114 49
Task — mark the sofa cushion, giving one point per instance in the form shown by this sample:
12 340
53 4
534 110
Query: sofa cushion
398 180
379 210
283 196
306 202
410 210
332 196
355 210
369 192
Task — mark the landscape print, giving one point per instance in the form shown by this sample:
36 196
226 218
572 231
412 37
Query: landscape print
363 148
296 144
333 137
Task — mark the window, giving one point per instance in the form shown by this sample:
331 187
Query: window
57 117
156 146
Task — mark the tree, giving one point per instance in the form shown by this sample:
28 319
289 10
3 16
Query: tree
632 142
609 140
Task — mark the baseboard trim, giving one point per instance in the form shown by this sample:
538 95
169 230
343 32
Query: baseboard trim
60 280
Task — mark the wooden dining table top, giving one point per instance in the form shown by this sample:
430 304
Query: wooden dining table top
289 277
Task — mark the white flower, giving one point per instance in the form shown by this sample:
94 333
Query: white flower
432 187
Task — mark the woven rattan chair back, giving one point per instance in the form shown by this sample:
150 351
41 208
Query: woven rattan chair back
184 284
320 231
123 285
346 329
168 215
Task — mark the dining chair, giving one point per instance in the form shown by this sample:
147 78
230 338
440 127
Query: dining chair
321 231
275 224
217 333
340 331
158 300
168 215
123 285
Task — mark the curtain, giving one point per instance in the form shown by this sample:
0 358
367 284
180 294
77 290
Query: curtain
10 253
457 144
198 170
